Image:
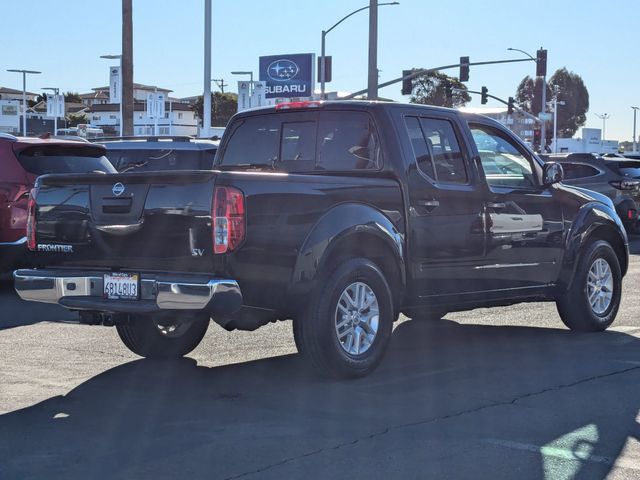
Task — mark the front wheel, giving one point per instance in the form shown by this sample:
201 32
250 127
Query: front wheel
592 301
348 325
156 337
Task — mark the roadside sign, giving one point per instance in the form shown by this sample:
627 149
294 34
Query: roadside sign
160 99
244 95
288 76
544 116
55 106
155 105
114 84
259 95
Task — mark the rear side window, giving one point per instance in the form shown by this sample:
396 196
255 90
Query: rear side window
255 141
347 141
419 145
437 151
57 159
578 170
629 169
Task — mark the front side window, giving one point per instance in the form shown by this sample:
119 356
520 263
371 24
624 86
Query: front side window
347 141
503 163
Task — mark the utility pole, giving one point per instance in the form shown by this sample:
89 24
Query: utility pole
220 83
127 68
635 142
206 97
372 87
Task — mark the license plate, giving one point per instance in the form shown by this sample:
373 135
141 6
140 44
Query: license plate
121 286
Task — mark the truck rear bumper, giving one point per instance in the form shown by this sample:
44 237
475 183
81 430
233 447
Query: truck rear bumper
81 290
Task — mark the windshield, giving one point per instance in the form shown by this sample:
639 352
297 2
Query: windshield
41 161
147 160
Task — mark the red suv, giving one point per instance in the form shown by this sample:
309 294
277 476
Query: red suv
22 160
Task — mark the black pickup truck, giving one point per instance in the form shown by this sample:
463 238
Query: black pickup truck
337 215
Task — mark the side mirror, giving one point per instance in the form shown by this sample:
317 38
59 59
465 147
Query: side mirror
552 172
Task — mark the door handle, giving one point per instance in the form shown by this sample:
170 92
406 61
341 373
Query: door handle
429 205
497 205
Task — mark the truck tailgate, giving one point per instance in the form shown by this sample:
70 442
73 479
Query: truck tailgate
145 221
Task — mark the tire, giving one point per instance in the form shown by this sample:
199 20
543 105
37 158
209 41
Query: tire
576 310
148 337
342 338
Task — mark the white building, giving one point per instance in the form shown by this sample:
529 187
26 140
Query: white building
179 118
520 124
590 142
10 116
13 94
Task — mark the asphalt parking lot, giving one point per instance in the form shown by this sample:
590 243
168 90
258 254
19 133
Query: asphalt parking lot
500 393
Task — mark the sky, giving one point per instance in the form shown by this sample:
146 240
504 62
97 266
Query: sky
597 40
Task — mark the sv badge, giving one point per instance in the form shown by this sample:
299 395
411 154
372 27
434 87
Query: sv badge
197 252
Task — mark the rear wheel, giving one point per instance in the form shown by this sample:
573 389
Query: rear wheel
157 337
348 325
592 301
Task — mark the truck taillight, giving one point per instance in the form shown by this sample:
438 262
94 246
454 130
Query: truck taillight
228 217
31 221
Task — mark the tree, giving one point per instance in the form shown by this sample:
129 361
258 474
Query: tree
223 107
75 119
431 89
568 87
72 97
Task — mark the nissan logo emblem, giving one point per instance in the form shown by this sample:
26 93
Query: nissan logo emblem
118 189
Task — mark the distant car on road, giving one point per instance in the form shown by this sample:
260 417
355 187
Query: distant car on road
23 159
144 154
613 175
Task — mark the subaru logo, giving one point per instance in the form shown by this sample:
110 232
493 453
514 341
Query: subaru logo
282 70
118 189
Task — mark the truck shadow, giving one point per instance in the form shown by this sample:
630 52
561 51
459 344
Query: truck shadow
449 400
15 312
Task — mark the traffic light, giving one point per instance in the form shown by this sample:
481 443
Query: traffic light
407 83
464 69
327 69
510 106
541 63
448 91
484 98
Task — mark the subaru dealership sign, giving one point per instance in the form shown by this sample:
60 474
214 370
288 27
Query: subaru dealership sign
288 76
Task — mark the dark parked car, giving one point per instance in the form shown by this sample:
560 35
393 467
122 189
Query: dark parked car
145 154
615 176
338 215
22 159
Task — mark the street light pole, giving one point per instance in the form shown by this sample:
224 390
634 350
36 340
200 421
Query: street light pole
604 117
372 84
206 121
555 121
24 96
325 32
55 91
118 57
635 143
